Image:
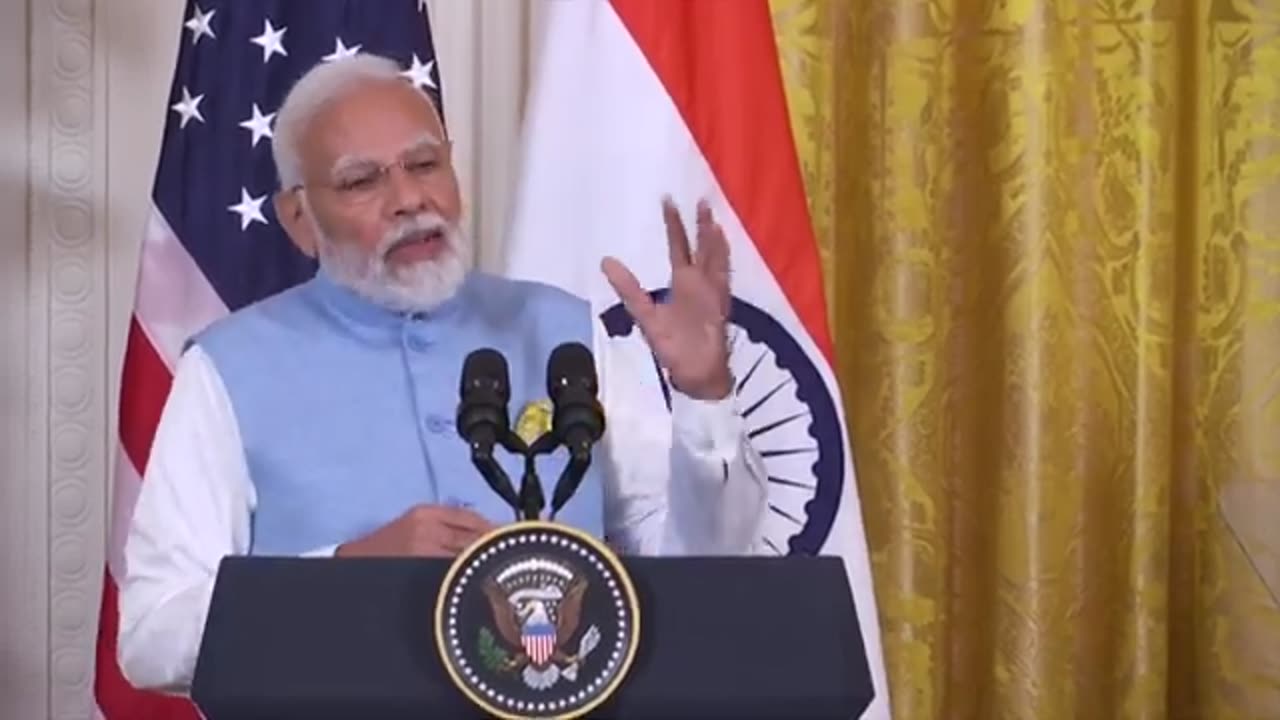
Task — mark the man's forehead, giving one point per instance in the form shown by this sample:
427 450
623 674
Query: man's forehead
376 122
427 141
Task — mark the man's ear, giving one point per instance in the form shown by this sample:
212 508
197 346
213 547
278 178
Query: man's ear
292 216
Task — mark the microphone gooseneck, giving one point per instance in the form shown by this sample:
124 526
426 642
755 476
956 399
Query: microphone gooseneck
570 479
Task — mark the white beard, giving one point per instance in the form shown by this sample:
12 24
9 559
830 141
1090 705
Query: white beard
420 287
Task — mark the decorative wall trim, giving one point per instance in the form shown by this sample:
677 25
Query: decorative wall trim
68 321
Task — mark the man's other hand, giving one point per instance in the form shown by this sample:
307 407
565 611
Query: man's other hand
688 332
425 530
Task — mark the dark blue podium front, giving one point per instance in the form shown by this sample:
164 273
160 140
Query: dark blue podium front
353 638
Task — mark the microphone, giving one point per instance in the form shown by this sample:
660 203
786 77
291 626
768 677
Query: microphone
482 417
578 420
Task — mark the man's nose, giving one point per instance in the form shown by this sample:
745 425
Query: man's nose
408 196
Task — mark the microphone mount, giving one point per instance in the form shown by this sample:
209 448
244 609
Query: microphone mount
577 424
530 501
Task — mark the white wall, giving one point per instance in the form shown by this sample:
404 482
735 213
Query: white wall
83 85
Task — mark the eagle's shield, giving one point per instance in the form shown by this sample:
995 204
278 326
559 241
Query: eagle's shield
539 641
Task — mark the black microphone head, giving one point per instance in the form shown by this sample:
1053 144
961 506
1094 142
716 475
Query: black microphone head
485 369
571 366
485 390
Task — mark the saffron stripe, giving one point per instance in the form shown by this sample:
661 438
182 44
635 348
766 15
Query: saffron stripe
719 62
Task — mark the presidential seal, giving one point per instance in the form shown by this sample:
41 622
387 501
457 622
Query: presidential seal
537 620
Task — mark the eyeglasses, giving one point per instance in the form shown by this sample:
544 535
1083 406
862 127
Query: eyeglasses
360 181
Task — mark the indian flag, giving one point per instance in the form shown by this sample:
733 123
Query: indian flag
634 100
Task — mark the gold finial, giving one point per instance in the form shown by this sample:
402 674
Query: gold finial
534 420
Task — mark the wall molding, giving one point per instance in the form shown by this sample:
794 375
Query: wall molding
68 323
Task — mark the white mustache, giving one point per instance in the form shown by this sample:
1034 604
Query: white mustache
407 229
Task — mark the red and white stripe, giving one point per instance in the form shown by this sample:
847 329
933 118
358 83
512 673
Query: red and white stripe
540 647
174 301
636 99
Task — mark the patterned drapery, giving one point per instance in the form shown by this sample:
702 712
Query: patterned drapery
1051 231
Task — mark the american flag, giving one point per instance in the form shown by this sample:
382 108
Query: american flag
211 244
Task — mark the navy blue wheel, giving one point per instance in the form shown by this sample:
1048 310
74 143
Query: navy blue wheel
790 416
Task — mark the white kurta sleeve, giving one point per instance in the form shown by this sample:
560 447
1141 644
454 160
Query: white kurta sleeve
684 482
193 509
717 486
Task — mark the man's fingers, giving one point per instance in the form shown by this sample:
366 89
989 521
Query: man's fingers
713 247
455 543
713 255
677 239
632 295
459 530
463 521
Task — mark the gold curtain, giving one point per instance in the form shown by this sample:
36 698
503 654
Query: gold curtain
1051 236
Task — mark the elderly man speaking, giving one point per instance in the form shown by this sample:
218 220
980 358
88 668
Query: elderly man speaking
319 421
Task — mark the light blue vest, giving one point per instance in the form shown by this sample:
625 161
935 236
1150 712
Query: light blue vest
347 410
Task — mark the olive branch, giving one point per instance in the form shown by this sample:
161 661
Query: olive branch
493 656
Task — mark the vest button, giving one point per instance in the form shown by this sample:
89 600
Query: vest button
437 424
417 344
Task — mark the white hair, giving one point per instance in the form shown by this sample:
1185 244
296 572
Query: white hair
319 86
